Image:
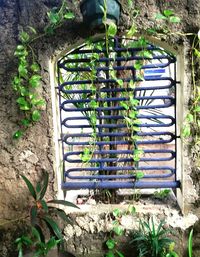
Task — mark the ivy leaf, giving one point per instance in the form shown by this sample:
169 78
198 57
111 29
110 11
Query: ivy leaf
53 17
186 131
118 230
117 212
35 67
197 53
168 13
24 105
139 175
69 15
110 243
36 115
22 70
132 31
34 81
93 104
131 209
174 19
24 37
197 109
25 122
138 65
17 134
112 29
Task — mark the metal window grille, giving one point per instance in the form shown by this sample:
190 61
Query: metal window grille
85 78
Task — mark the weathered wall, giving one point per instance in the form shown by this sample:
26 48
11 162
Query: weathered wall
34 153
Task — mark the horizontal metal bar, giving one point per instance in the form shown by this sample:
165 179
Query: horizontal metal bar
120 159
104 81
132 175
120 184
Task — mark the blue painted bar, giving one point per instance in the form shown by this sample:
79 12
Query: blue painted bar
116 168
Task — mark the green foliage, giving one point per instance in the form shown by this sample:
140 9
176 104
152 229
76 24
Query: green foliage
42 214
151 240
161 194
190 243
28 76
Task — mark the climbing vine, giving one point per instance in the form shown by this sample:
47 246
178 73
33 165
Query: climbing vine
28 78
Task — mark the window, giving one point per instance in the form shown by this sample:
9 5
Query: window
118 115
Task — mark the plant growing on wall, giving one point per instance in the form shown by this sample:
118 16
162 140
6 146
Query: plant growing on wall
28 80
42 217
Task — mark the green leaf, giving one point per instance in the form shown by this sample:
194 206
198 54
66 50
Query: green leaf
93 104
63 215
36 233
24 37
22 70
69 15
29 186
198 34
38 187
36 115
35 67
32 30
132 30
24 105
168 13
190 243
20 254
186 131
63 202
33 214
197 53
131 209
139 175
119 231
174 19
44 205
54 226
117 212
52 243
34 81
110 243
112 29
138 65
197 109
53 17
120 82
17 134
44 186
22 101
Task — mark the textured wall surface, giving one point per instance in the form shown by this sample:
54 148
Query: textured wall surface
34 153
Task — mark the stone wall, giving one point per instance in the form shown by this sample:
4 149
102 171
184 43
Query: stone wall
34 153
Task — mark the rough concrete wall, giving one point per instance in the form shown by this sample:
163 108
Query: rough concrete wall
34 153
